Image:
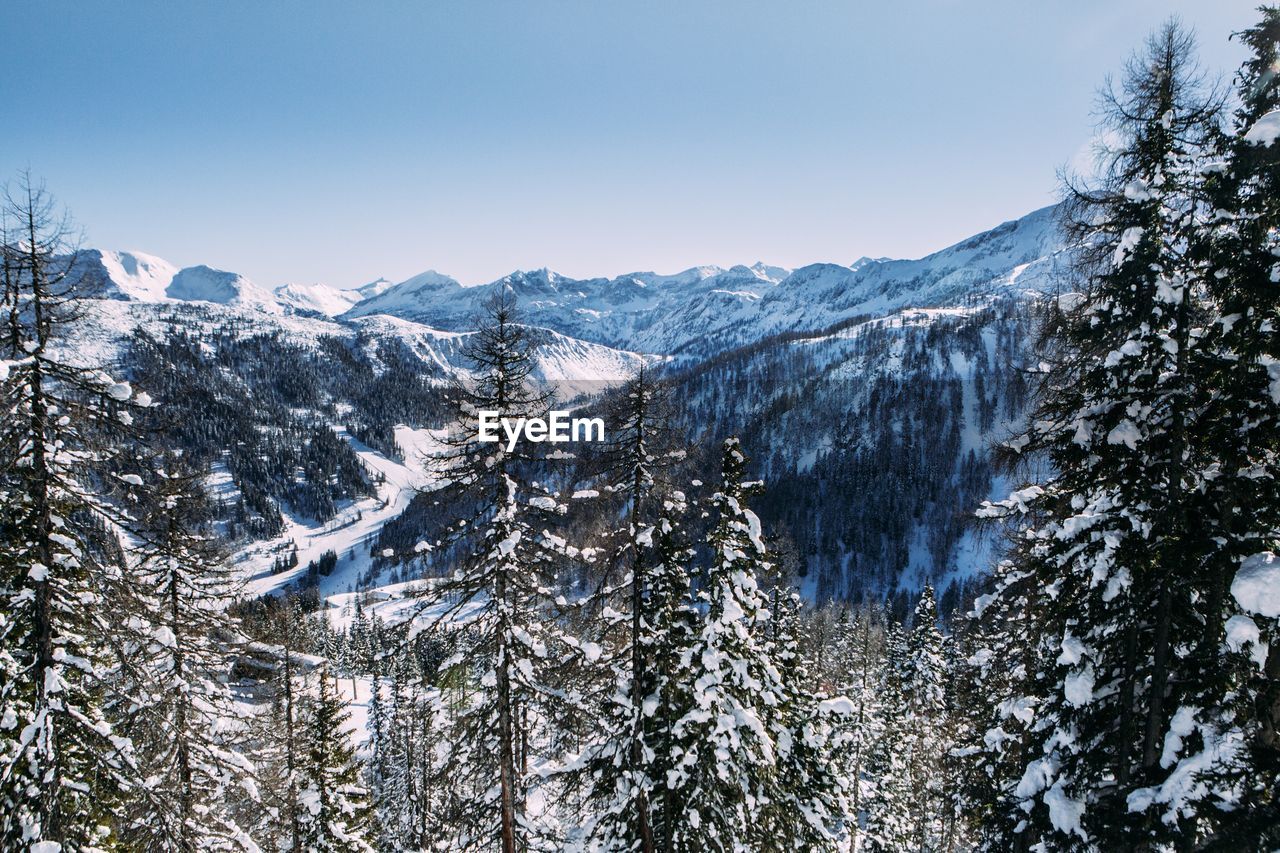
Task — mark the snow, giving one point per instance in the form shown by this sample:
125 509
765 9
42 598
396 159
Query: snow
709 308
1137 190
1078 687
321 298
136 275
1126 433
1072 651
839 705
1128 242
205 284
1256 586
1242 632
1064 812
1265 130
164 636
355 525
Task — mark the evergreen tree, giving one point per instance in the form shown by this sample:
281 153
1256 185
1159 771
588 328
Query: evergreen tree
497 700
725 753
187 736
926 740
888 805
809 801
1239 650
278 732
623 764
334 812
63 768
1105 583
858 664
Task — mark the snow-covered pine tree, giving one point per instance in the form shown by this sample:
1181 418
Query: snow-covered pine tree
187 735
809 798
334 812
927 730
63 769
724 756
622 766
887 805
497 609
1104 584
1240 647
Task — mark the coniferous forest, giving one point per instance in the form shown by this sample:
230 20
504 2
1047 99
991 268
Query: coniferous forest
711 631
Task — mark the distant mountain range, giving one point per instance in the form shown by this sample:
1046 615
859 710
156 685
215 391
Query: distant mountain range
693 313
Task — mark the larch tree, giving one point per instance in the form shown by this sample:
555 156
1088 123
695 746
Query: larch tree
63 767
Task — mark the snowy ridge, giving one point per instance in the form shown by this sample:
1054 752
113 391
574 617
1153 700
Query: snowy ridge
205 284
697 312
708 309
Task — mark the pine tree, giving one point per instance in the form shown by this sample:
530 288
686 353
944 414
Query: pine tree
189 742
1104 589
725 753
334 813
623 764
63 768
497 698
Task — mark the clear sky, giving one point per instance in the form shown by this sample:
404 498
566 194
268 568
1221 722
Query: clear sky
339 142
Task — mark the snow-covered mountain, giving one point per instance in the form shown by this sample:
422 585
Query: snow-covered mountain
319 298
839 379
709 309
205 284
695 313
123 275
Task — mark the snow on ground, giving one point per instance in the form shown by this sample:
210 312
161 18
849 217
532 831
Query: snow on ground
396 604
348 533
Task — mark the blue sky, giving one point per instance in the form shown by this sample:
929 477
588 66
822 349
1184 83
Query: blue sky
339 142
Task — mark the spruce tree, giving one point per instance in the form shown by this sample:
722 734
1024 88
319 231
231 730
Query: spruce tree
623 765
809 800
1239 650
189 742
496 610
888 804
926 739
1104 588
725 752
334 811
